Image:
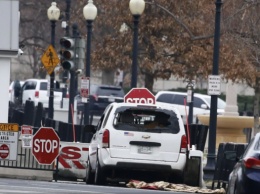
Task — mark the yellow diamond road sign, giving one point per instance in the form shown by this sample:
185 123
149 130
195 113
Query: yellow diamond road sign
50 59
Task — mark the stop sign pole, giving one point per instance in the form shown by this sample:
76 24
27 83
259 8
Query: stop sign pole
46 145
139 95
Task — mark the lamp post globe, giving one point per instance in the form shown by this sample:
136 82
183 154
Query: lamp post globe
53 14
89 13
136 7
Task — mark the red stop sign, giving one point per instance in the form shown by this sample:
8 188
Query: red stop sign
4 151
45 145
139 95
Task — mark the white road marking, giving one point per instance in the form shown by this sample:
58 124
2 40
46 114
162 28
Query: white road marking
3 191
44 189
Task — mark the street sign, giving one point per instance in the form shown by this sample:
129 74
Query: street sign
139 95
84 88
46 144
50 59
26 136
214 85
8 141
4 151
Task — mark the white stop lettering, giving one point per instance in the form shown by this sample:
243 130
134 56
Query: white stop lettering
43 145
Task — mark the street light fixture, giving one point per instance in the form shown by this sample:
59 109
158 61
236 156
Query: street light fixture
90 13
136 8
53 14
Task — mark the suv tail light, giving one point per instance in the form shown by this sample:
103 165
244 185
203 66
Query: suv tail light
95 97
252 163
184 144
105 139
36 94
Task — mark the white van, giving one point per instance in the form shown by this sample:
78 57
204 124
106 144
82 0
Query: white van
36 91
201 103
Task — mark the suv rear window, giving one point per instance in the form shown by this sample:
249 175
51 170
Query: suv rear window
108 91
146 120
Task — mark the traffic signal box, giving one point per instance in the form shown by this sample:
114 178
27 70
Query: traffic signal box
72 53
67 53
80 53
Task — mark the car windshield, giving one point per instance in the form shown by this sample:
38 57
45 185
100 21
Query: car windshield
221 103
146 120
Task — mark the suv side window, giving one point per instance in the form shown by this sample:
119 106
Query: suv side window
179 99
43 86
30 85
198 102
165 98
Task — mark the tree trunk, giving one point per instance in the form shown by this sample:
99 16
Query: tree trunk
149 81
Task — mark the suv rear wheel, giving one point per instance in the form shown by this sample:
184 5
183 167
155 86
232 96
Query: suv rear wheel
89 175
100 177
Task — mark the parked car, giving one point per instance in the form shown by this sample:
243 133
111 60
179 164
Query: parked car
137 141
101 96
36 91
15 90
245 177
201 103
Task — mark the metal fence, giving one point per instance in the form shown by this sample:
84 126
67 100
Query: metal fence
25 160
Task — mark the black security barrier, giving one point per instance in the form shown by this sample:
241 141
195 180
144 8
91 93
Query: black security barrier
28 118
227 156
87 133
17 117
39 115
62 131
198 135
49 123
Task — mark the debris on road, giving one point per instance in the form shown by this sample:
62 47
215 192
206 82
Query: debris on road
166 186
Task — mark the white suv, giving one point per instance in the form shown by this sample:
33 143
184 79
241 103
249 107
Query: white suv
201 103
36 91
137 141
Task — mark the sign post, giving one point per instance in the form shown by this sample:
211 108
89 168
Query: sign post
139 95
8 141
46 145
84 88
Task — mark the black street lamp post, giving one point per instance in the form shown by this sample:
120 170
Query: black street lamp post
90 13
53 14
136 8
211 157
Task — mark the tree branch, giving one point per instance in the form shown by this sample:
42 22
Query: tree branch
181 23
